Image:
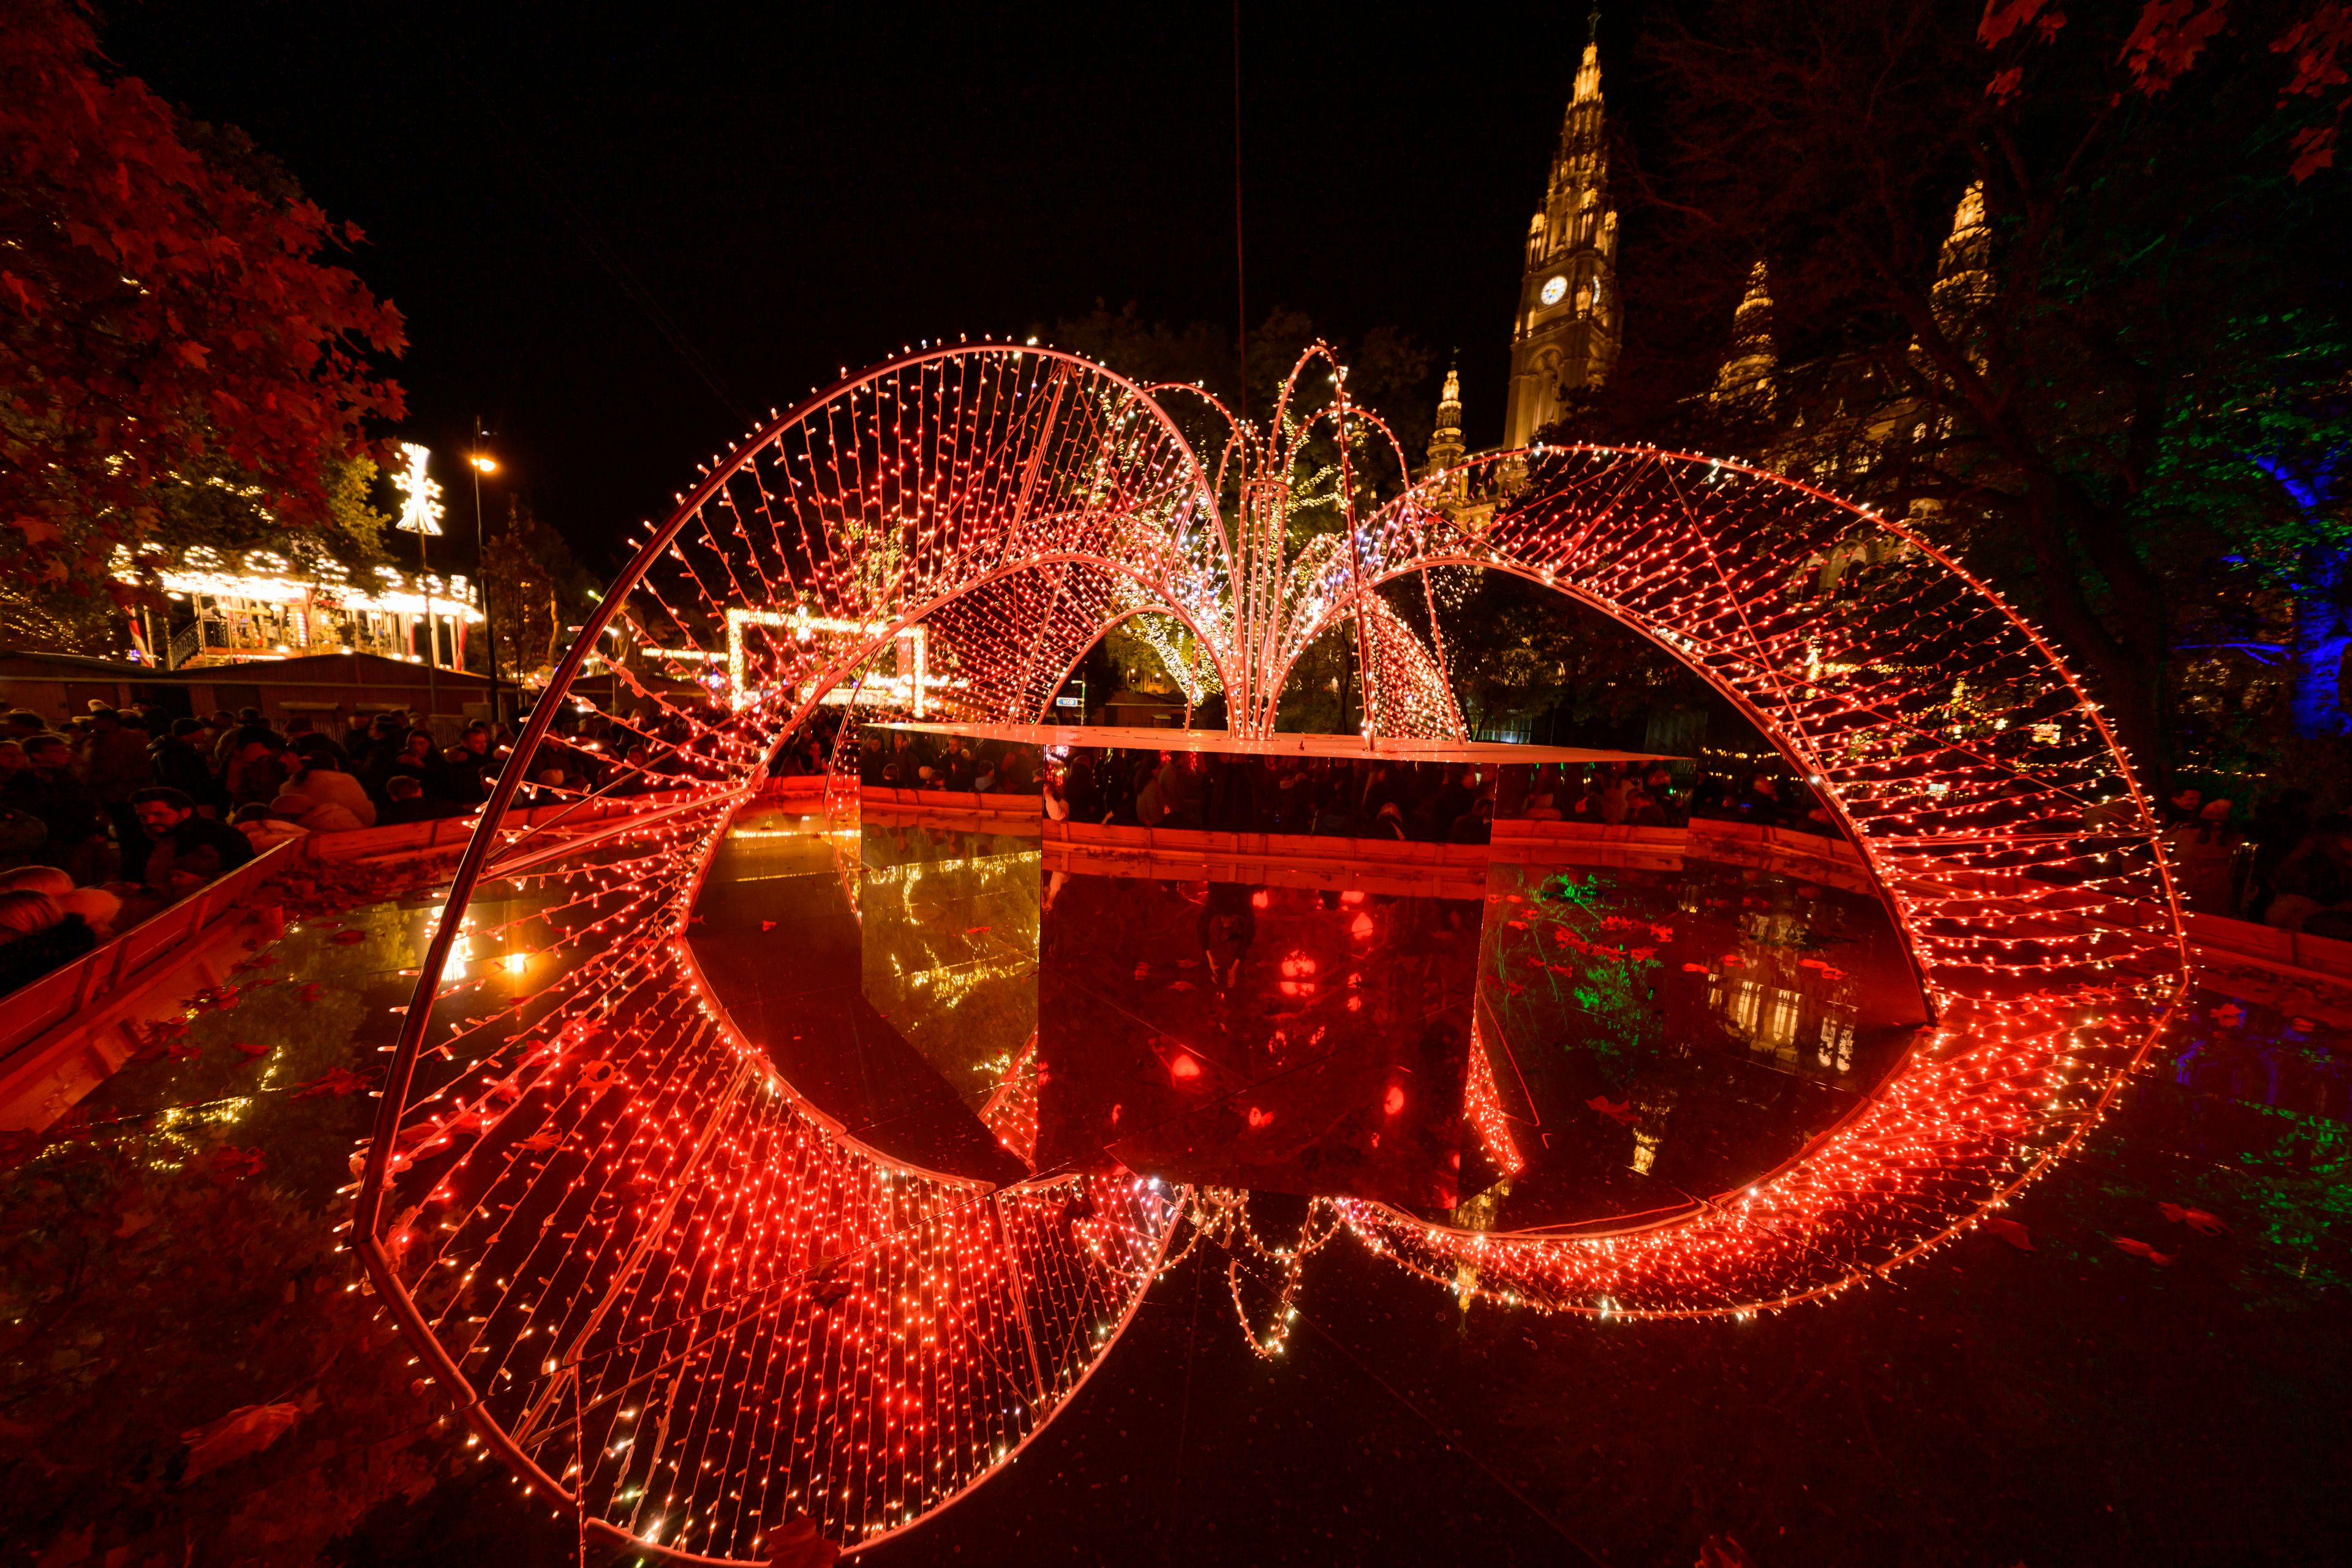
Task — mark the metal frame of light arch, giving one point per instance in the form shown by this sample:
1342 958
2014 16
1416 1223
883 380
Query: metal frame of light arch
1385 1232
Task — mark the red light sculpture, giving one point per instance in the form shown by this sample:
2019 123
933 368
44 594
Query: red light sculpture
685 1304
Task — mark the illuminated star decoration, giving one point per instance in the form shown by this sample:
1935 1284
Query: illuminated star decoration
676 1298
420 493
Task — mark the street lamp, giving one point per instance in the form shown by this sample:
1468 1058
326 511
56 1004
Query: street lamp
483 463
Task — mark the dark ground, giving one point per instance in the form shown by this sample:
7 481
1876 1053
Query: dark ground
2072 1404
2075 1405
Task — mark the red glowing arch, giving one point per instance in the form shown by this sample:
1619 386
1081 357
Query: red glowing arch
687 1308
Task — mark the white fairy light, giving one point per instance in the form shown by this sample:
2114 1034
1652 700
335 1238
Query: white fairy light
420 493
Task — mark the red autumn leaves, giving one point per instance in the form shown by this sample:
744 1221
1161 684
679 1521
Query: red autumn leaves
162 310
2198 1220
2203 1222
245 1430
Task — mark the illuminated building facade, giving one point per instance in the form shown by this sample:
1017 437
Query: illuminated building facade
1567 331
228 609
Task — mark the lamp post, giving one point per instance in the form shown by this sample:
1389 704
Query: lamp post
420 514
483 463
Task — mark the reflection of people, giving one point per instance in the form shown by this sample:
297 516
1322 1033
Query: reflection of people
1476 826
2278 828
1227 927
1616 798
2314 881
2205 848
184 851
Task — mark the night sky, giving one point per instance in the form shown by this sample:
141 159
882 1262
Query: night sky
621 233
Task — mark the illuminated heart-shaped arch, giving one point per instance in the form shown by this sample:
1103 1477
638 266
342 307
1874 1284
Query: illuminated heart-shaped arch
684 1303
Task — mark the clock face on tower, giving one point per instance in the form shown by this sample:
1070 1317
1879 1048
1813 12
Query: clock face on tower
1555 289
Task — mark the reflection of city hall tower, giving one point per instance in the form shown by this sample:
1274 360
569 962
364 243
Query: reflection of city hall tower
1566 334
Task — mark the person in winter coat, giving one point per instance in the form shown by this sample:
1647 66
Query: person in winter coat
49 789
176 761
115 763
326 782
315 814
184 851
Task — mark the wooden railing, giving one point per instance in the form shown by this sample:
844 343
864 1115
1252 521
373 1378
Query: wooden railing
64 1034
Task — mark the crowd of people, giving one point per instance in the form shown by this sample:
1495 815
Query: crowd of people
1338 797
2289 865
107 817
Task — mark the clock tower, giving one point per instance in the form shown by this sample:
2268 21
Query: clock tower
1566 334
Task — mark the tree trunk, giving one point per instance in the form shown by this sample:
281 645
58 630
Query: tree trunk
2127 670
2322 636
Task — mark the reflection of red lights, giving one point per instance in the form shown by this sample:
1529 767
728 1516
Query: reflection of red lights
1395 1101
1183 1069
1482 1104
1261 899
1352 896
1360 928
1260 1118
1296 969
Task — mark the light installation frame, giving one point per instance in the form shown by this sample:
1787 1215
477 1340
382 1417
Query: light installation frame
2028 1049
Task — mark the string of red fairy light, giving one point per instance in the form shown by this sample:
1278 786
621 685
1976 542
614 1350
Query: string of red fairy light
678 1298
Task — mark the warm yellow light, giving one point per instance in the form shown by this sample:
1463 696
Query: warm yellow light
489 465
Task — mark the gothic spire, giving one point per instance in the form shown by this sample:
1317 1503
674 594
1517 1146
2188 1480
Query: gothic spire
1582 159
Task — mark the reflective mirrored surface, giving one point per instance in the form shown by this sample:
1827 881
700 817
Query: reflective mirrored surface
1513 997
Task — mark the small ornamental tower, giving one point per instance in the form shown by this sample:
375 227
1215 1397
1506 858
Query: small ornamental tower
1747 375
1963 271
1566 334
1445 447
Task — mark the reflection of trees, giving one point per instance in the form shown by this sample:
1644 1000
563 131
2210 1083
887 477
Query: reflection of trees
1575 948
1693 1026
951 946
